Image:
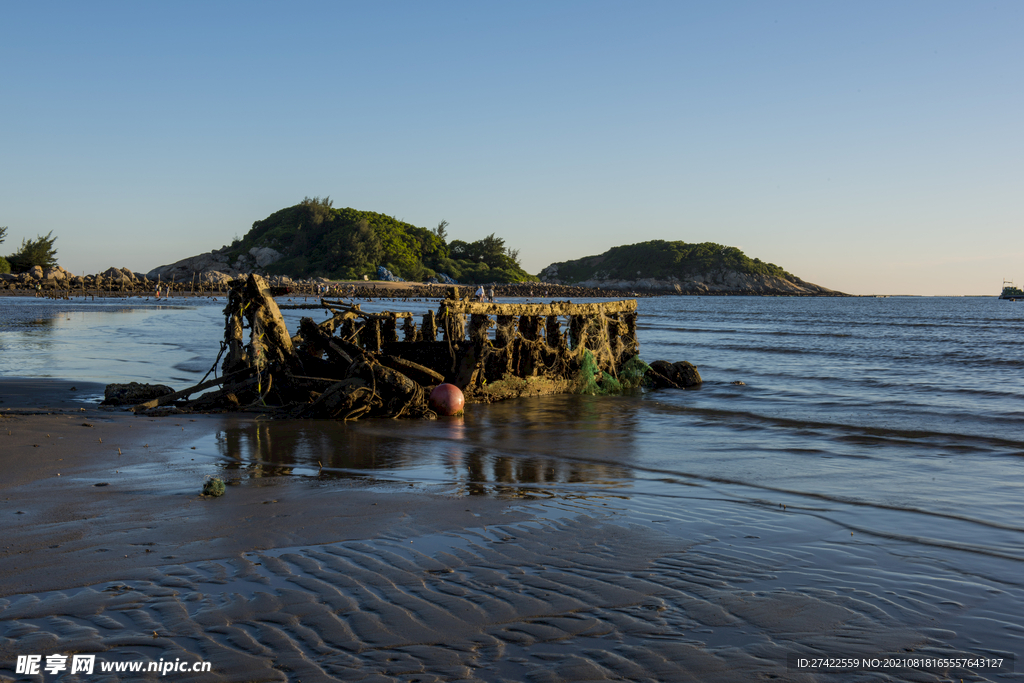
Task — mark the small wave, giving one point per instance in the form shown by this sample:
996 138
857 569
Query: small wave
692 330
814 495
791 333
996 362
935 542
847 431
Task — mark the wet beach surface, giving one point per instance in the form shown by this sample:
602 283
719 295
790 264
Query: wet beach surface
853 498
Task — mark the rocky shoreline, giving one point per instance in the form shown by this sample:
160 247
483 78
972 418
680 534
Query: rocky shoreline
715 283
59 283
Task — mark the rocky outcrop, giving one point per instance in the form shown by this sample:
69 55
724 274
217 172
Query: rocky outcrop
133 392
264 256
680 375
125 281
213 277
36 273
185 269
119 276
218 264
716 282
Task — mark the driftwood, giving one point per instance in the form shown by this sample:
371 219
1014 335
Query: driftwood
185 393
415 371
226 397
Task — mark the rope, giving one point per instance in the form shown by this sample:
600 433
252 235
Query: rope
223 347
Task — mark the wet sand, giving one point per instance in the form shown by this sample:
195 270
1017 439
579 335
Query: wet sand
89 493
305 577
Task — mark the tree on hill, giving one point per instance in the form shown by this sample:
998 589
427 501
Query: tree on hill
490 250
5 267
37 252
361 245
320 208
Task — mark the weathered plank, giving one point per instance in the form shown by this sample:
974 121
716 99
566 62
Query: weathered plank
184 393
353 310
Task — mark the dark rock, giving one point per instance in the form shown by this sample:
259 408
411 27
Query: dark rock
132 393
665 375
686 374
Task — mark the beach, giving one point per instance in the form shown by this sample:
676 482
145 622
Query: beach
846 501
289 578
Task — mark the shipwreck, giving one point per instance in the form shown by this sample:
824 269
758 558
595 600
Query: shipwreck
360 364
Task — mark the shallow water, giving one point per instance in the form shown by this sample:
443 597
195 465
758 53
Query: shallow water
876 446
912 406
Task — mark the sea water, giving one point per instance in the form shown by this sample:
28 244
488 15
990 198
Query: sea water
901 403
890 431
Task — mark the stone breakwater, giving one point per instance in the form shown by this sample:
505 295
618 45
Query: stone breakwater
122 281
60 283
57 281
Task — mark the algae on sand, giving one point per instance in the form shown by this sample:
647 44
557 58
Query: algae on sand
214 487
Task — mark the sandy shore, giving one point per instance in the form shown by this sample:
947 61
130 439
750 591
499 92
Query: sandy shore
109 549
92 493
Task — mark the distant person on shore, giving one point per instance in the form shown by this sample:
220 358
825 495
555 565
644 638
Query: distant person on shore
480 294
490 293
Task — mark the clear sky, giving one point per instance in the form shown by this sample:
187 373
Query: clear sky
869 147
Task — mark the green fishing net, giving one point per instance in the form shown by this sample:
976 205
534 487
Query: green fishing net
595 382
632 373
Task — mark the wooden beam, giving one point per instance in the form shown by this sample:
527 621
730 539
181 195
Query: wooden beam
185 393
556 308
340 308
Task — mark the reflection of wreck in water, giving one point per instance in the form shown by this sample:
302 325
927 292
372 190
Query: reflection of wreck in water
433 454
353 364
534 476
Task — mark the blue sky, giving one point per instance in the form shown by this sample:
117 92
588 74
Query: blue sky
870 147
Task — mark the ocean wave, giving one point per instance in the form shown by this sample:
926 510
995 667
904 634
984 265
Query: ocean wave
847 431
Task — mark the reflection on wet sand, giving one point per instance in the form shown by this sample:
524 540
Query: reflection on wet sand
529 477
522 449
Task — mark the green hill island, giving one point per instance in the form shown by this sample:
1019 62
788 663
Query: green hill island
315 240
682 268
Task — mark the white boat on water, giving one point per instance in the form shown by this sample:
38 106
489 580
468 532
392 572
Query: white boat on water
1010 292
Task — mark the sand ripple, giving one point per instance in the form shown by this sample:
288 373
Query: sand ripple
569 598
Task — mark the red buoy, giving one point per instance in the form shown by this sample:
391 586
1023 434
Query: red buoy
447 399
